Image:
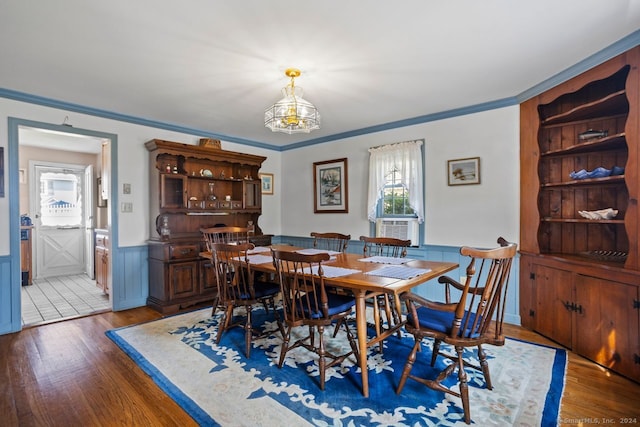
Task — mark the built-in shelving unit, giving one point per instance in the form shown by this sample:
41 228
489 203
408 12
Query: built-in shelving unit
580 278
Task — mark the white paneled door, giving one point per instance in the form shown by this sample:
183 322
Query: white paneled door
60 204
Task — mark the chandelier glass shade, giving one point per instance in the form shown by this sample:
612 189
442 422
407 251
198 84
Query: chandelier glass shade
292 114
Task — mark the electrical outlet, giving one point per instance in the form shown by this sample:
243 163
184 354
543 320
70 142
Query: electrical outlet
126 207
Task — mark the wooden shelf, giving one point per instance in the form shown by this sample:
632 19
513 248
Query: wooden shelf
583 221
612 142
611 105
616 179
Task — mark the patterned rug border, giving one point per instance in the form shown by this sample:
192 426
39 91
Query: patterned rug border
551 412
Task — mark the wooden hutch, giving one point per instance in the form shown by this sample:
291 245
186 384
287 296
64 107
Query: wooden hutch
580 277
193 187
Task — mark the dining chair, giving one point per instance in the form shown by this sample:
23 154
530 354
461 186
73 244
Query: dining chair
385 247
331 241
225 234
237 288
221 234
472 319
306 302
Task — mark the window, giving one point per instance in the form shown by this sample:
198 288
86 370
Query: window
395 181
60 199
395 199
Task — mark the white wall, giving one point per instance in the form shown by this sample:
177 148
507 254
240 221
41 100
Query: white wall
461 215
471 215
132 164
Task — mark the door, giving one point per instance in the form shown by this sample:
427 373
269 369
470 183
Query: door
60 203
89 222
553 293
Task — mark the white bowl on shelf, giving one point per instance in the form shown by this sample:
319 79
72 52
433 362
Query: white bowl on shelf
608 213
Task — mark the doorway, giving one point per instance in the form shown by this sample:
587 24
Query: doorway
62 212
59 196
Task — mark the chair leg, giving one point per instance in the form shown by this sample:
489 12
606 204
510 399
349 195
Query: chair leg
436 351
377 320
352 340
464 387
408 366
214 307
395 312
226 321
248 332
312 336
321 359
485 367
285 346
339 323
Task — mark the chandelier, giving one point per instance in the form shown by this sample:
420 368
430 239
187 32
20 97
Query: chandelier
292 114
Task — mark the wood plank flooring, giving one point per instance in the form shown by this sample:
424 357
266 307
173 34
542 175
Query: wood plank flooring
69 373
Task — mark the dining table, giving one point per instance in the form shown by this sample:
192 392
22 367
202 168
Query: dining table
365 277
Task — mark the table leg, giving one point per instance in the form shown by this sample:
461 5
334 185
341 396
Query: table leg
361 325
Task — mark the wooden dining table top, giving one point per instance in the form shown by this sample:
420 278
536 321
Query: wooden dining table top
361 280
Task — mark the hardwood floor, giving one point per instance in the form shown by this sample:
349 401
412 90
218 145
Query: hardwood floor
70 373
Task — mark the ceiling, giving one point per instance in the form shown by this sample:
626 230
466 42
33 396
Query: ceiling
211 67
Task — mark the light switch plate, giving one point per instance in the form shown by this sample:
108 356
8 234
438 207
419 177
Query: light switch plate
126 188
126 207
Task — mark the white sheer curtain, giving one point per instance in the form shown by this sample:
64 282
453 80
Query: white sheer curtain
406 158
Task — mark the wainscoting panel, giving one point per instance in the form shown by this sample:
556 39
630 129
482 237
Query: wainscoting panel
131 268
7 305
431 289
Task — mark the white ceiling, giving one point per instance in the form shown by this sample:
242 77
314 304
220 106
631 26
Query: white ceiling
213 66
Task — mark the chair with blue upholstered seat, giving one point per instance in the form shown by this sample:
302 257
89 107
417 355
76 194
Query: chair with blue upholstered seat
337 242
221 234
385 247
471 319
306 302
237 287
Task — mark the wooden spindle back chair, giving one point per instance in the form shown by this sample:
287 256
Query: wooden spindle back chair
386 247
306 302
237 288
471 319
337 242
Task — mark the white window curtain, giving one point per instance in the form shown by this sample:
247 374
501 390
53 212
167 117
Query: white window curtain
406 158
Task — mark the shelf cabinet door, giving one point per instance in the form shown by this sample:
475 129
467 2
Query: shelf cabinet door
527 292
608 324
252 195
208 277
183 279
553 291
173 191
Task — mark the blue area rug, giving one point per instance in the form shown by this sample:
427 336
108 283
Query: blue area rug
218 385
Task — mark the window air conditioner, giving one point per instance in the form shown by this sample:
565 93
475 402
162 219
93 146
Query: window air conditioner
404 229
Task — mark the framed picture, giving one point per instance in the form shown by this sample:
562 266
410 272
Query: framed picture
463 171
267 182
330 186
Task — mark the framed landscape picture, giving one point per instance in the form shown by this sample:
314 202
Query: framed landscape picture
463 171
267 183
330 186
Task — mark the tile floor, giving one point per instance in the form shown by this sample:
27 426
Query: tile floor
56 298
